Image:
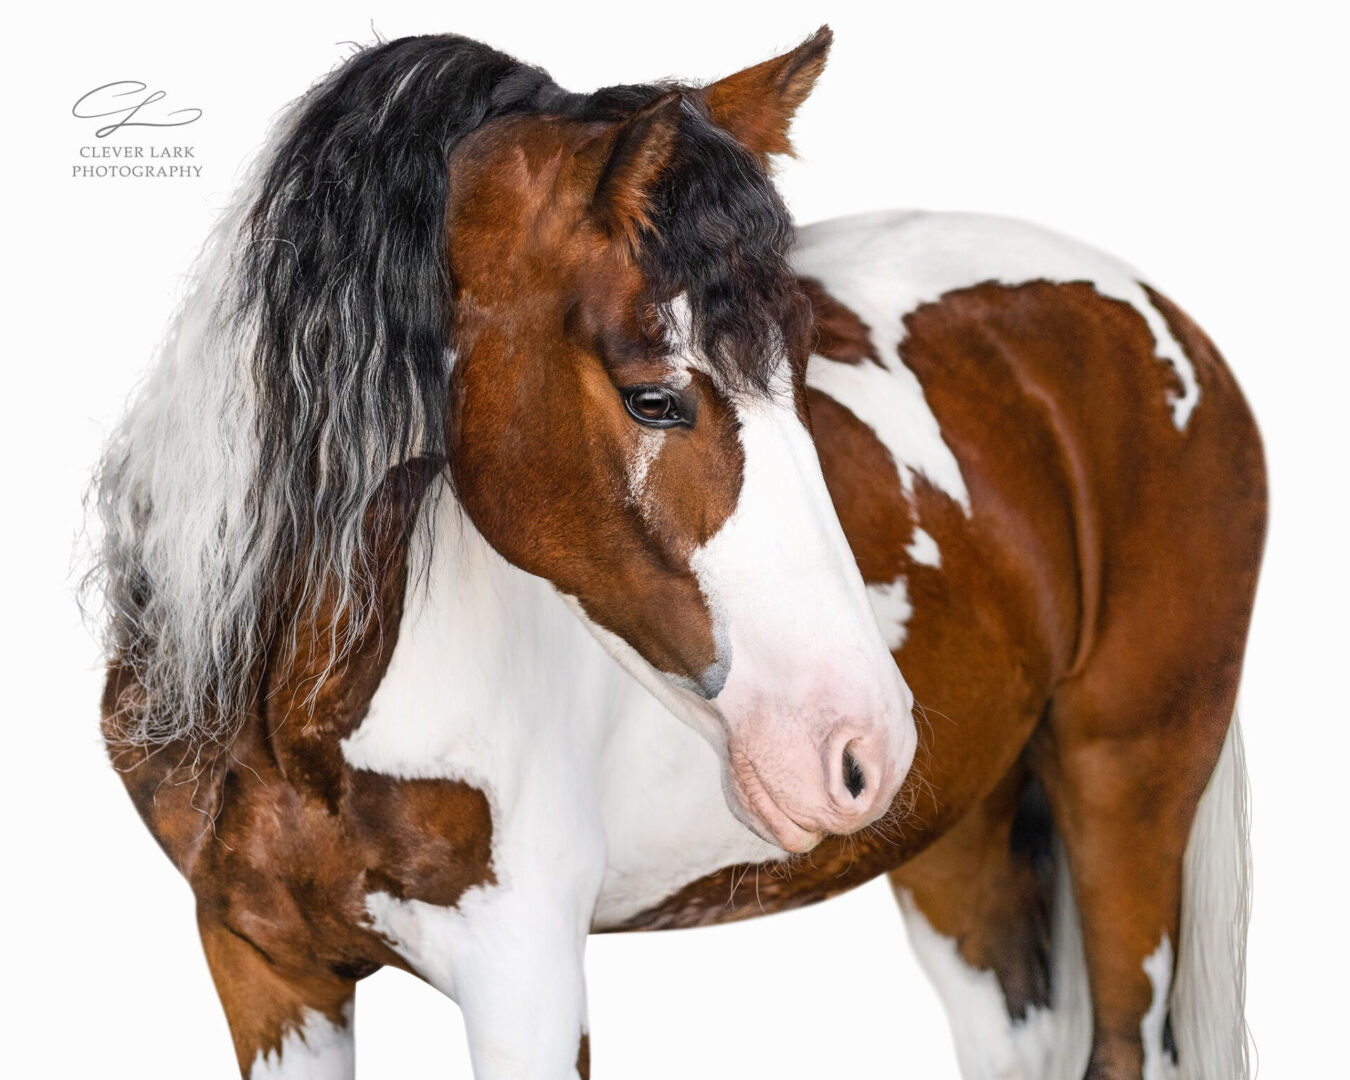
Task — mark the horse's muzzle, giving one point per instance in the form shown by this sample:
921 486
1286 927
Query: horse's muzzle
792 787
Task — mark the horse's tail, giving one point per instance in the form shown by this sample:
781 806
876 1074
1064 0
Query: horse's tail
1209 991
311 355
1209 1027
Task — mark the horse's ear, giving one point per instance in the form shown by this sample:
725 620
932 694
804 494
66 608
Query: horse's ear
757 105
635 154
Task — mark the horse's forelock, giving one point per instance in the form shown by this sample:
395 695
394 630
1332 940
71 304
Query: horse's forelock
720 237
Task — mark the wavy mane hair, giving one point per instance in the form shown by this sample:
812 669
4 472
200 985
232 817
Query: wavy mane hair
313 353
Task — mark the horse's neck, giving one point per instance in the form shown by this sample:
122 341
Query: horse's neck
489 665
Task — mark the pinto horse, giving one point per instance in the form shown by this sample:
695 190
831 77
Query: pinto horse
484 385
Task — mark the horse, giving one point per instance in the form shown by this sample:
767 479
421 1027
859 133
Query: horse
525 528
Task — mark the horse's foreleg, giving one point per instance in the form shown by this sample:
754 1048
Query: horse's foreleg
523 994
285 1024
977 916
512 958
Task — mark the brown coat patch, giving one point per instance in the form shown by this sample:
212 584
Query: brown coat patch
584 1057
840 334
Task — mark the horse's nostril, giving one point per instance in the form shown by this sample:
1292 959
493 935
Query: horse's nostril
853 775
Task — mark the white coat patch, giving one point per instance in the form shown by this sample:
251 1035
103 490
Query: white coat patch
1158 967
990 1045
317 1050
666 819
923 549
891 606
640 463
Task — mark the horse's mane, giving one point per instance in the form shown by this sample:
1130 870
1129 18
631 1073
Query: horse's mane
312 353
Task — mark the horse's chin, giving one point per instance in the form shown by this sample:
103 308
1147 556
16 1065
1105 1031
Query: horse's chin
752 805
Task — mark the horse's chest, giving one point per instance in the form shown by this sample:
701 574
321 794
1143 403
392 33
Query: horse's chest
572 754
665 817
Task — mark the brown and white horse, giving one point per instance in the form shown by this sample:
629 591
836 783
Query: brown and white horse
484 385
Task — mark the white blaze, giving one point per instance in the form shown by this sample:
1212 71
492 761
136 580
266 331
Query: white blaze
782 582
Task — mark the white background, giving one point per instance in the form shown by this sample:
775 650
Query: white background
1203 142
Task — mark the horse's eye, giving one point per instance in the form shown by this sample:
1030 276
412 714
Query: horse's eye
654 406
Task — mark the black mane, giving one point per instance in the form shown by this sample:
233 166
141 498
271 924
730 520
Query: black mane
344 270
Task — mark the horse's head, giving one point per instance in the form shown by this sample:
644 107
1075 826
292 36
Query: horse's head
628 421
